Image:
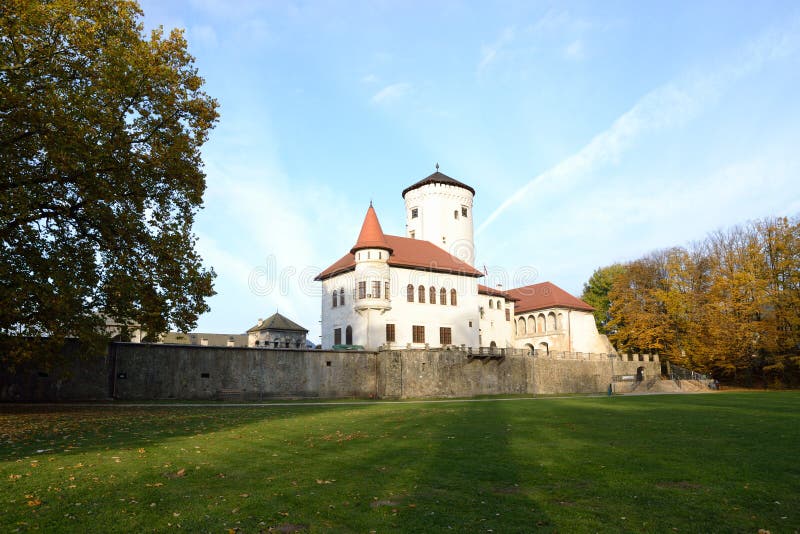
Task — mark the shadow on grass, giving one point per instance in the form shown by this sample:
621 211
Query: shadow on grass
618 464
473 477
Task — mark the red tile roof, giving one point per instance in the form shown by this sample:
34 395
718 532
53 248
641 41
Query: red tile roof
411 254
371 235
545 295
486 290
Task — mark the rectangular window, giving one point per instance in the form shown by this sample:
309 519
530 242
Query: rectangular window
376 289
418 334
463 211
414 213
455 214
386 290
337 336
445 336
389 333
362 290
412 234
508 314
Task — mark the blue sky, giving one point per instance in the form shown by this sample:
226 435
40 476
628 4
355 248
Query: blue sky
592 132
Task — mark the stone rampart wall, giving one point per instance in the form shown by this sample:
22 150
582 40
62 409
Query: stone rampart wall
138 371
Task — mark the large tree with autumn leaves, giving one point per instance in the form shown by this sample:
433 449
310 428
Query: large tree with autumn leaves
100 173
728 305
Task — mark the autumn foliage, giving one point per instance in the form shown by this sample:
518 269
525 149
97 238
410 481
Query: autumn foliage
728 305
100 173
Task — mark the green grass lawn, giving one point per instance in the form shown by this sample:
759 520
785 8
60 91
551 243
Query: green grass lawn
725 462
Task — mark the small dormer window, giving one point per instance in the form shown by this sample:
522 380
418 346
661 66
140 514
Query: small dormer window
414 213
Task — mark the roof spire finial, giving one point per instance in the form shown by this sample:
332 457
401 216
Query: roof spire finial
370 203
437 166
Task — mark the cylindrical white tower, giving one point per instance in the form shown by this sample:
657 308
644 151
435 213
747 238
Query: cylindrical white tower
439 210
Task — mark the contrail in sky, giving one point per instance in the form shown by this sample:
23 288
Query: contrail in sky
669 105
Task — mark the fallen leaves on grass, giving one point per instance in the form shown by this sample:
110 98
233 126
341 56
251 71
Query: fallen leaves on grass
288 527
177 474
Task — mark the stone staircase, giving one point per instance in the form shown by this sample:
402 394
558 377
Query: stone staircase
658 385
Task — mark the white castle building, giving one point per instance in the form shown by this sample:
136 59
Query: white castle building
422 291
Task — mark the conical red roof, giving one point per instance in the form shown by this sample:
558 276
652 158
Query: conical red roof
371 235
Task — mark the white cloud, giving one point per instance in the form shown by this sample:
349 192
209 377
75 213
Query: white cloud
574 50
489 53
390 93
369 78
552 20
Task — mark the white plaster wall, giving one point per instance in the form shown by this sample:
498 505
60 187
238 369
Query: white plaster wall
436 205
405 314
340 316
494 326
585 337
369 326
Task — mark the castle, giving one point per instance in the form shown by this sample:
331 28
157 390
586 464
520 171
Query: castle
421 290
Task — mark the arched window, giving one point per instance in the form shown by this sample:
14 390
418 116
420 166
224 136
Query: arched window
443 297
491 304
551 321
453 298
521 326
335 301
499 305
348 335
433 295
421 294
560 321
341 296
531 324
410 293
